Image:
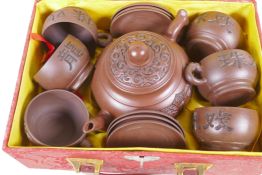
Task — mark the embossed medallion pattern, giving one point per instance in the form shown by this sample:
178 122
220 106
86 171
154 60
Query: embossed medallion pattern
140 76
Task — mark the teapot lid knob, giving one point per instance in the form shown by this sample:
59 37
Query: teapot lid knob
138 53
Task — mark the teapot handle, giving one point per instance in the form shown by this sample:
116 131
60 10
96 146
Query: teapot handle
180 21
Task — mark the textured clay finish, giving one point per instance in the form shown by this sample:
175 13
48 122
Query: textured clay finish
132 18
227 77
115 161
74 21
147 5
145 115
226 128
211 32
67 68
143 70
56 118
145 133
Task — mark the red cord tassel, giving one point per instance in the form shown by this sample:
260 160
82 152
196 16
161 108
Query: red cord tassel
50 47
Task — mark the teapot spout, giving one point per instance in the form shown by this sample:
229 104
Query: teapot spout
180 21
100 122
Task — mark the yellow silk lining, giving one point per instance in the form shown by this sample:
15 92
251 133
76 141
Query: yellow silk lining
101 11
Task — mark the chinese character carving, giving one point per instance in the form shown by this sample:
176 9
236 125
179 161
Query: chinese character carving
71 53
78 52
81 16
66 56
223 21
234 59
220 19
218 121
57 15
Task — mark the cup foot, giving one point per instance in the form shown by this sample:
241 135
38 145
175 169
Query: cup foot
233 94
82 76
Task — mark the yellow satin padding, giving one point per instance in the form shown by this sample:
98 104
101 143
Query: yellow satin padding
101 11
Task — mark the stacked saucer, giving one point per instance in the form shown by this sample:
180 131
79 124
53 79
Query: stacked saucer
140 17
145 128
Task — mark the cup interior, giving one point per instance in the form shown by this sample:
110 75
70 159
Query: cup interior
199 48
56 33
55 118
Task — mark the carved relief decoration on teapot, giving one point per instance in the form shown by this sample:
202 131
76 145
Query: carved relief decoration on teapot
140 76
178 102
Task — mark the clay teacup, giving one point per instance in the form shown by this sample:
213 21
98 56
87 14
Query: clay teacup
226 128
225 78
74 21
211 32
67 68
59 118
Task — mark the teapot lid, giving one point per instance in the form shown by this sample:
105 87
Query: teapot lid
141 62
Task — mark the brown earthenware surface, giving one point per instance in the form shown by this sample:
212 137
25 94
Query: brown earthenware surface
144 118
145 115
143 70
133 18
228 77
211 32
157 10
145 134
67 68
74 21
55 118
117 77
144 5
226 128
136 10
99 123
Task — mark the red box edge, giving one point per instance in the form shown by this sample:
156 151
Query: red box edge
21 69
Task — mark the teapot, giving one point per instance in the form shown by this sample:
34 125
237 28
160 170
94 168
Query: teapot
143 70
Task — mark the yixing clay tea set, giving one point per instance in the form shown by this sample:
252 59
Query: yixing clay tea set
142 80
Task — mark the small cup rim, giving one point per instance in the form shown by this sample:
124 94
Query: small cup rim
225 107
31 136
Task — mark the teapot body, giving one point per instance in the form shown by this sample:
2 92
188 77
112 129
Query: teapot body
141 70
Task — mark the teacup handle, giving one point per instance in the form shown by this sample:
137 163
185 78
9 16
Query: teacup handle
100 122
103 39
191 77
